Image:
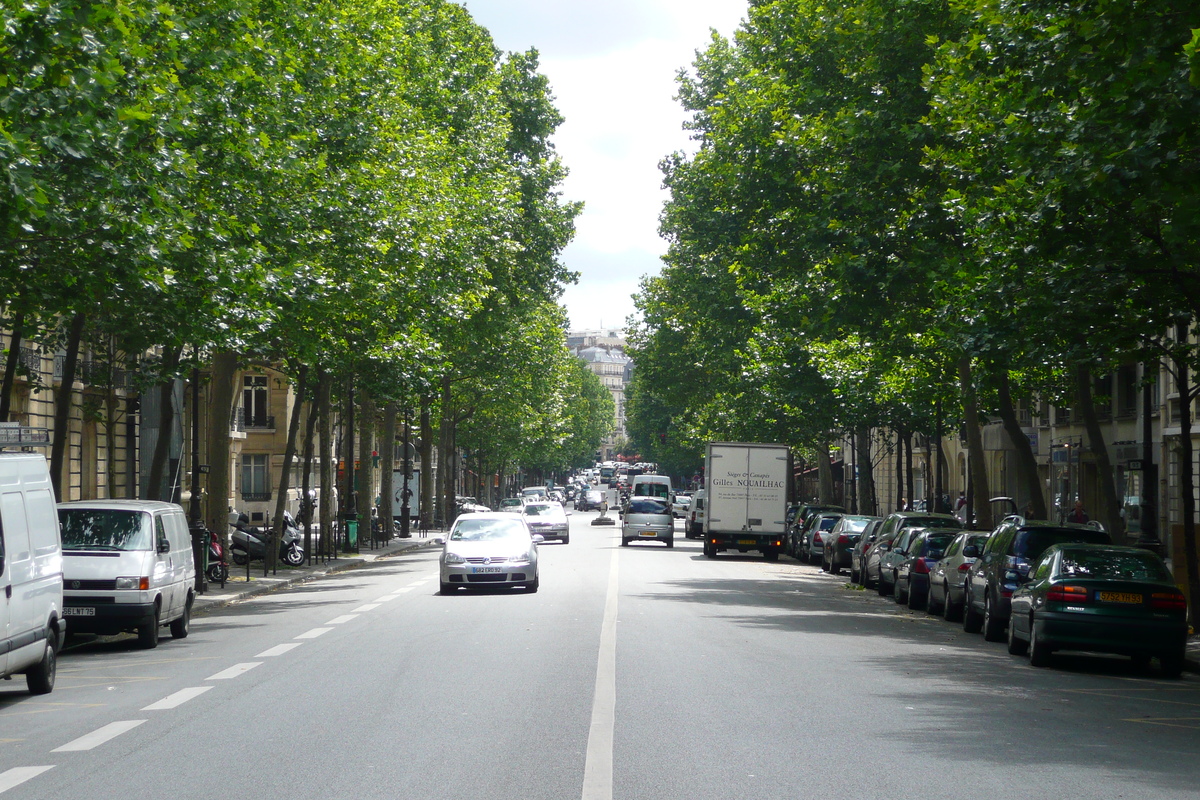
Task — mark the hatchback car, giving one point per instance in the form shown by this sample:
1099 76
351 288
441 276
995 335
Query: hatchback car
590 500
648 519
841 540
489 549
950 574
681 504
1100 598
548 519
512 505
859 551
912 576
1004 563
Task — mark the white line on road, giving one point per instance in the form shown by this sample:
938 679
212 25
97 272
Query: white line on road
367 607
314 633
598 768
402 591
177 699
18 775
341 619
235 671
279 650
99 736
384 599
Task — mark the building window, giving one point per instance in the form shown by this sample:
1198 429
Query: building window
255 480
254 401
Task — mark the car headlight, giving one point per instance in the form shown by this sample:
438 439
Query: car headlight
520 558
453 558
132 583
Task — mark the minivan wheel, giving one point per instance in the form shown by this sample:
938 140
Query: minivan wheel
181 626
148 632
40 679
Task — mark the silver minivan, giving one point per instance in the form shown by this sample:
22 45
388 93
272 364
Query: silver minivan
648 519
127 566
32 628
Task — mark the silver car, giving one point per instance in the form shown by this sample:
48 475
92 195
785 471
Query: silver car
549 519
648 519
489 549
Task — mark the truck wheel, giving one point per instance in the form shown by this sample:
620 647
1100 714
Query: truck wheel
148 632
181 626
40 679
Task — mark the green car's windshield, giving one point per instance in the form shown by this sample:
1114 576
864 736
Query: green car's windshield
1113 565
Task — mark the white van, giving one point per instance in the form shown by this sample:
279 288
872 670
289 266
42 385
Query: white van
652 486
32 628
127 566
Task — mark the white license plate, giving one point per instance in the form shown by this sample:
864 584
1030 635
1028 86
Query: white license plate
76 611
485 570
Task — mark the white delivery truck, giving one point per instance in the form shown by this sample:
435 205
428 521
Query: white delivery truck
748 487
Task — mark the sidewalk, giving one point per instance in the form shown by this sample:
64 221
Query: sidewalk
237 588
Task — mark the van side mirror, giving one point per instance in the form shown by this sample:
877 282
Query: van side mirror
164 546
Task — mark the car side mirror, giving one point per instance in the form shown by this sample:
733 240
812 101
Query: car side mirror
970 551
538 538
164 546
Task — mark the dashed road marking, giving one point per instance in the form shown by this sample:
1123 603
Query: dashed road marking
342 619
178 698
237 670
18 775
99 736
279 650
367 607
314 633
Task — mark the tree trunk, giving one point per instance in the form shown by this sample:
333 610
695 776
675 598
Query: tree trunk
328 456
978 463
157 481
445 479
866 473
1027 472
220 409
427 482
1109 511
387 460
1187 479
909 496
285 472
64 399
824 475
364 483
10 365
306 507
899 497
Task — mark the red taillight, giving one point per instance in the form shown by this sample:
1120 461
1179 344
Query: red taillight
964 567
1168 601
920 567
843 539
816 538
1067 594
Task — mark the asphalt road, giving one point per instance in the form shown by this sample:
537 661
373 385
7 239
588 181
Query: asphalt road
634 673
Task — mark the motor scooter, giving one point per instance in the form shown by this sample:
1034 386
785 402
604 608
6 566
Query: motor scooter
250 544
218 570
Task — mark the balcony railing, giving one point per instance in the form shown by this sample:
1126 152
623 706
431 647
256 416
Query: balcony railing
252 422
256 497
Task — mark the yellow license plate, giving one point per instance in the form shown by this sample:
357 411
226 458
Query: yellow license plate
647 533
1120 597
747 541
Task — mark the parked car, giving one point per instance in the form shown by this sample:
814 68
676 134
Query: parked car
811 545
950 574
694 525
1100 598
489 549
798 515
513 505
891 527
924 552
548 519
127 566
860 548
648 519
841 540
1005 562
890 559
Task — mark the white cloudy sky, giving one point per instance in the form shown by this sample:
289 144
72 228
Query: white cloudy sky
612 68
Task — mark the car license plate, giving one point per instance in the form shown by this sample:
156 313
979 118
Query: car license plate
486 570
1120 597
747 541
77 611
647 533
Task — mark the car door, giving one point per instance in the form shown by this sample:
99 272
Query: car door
20 607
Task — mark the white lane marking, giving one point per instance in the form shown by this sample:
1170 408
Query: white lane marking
18 775
177 699
367 607
341 619
598 767
279 650
99 736
235 671
421 582
314 633
384 599
405 589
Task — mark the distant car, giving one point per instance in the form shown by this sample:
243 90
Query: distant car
469 505
548 519
693 527
1005 562
512 505
681 505
858 552
950 574
590 500
489 549
891 527
811 545
924 552
1100 598
841 540
648 519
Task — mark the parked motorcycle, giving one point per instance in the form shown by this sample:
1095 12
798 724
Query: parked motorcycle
250 544
218 570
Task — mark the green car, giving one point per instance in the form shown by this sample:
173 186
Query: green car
1100 598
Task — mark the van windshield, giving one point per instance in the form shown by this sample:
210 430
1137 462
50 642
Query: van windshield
104 529
652 490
